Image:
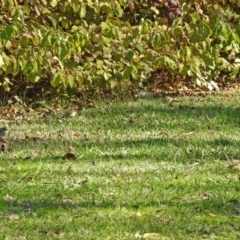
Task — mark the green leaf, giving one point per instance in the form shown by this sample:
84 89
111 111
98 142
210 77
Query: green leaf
83 10
1 61
105 26
113 84
140 48
54 3
106 41
129 55
169 62
124 85
7 33
235 71
75 7
135 75
99 64
194 38
64 51
107 75
56 80
216 30
33 77
209 62
126 73
188 51
117 74
182 69
157 41
71 81
237 62
118 9
54 21
24 41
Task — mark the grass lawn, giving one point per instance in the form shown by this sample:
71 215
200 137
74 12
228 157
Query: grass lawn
147 169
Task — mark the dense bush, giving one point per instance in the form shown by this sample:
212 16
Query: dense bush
79 44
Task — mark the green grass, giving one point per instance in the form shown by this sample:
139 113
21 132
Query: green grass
136 172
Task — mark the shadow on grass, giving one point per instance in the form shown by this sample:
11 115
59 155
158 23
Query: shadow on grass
216 206
133 117
166 149
157 148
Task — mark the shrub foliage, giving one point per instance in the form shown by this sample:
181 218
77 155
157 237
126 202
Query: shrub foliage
78 44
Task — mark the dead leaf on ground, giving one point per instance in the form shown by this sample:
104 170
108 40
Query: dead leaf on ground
235 166
57 106
212 215
151 236
175 85
8 198
186 134
226 96
137 215
14 217
76 134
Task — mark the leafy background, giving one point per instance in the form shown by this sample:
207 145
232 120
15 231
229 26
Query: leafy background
65 47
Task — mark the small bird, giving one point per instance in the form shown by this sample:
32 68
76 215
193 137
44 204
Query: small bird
3 132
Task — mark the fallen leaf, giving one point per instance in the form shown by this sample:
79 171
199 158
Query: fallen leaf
157 92
137 215
14 217
29 110
212 215
185 134
226 96
76 134
151 236
8 198
57 106
70 149
235 166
